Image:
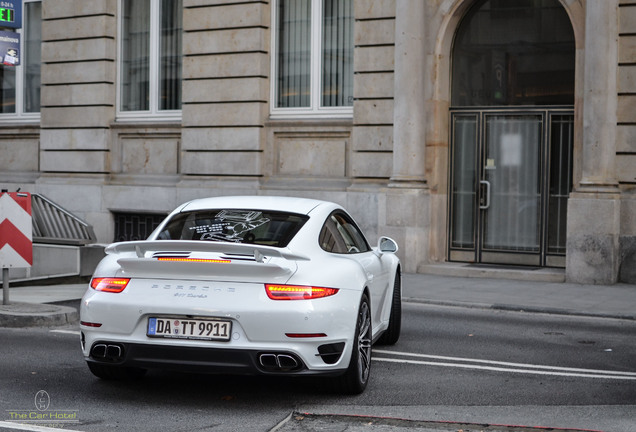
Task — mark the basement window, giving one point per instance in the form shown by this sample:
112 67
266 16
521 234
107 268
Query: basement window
135 226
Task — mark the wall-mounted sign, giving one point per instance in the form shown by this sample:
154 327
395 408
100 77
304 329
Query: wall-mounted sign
9 48
11 13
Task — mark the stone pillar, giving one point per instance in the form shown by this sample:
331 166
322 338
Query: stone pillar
78 91
225 70
593 254
409 95
407 198
600 96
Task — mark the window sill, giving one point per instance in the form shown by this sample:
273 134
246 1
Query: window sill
169 117
309 122
346 113
20 121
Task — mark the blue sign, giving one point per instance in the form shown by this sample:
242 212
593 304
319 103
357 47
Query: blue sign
11 13
9 48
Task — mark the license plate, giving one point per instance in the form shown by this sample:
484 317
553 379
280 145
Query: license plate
186 328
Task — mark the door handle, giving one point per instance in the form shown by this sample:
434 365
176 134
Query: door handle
486 205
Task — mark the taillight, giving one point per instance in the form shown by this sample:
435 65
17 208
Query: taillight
113 285
297 292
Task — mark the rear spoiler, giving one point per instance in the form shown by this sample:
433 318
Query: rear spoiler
141 248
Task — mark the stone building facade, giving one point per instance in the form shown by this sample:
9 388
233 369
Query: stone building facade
392 156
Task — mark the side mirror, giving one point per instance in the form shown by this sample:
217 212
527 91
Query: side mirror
387 245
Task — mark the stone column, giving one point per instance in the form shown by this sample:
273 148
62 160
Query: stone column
225 69
407 213
593 254
78 92
409 95
600 96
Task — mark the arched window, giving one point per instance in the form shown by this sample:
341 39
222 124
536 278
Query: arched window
514 52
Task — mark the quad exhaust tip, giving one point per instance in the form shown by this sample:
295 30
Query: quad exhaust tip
108 352
279 362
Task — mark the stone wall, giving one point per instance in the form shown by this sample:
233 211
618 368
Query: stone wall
626 138
393 181
20 149
78 85
373 89
225 87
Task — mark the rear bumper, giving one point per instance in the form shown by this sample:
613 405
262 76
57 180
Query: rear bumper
259 326
203 360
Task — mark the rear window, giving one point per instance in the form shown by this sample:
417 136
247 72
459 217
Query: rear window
237 226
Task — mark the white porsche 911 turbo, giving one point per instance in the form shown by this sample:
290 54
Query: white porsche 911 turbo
245 285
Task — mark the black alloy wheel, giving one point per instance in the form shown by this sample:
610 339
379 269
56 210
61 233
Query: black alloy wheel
355 379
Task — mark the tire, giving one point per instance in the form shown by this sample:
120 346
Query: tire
115 373
355 379
392 334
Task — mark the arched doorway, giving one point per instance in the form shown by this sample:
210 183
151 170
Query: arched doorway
512 129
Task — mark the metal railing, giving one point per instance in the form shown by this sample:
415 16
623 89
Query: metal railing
53 224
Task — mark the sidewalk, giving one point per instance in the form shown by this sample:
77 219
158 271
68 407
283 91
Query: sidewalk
606 301
39 305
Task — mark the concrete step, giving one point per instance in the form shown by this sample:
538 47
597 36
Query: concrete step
535 274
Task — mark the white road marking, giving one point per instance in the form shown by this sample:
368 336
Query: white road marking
32 428
73 332
491 365
502 366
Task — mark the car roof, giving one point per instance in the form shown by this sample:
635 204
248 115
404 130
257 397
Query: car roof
258 202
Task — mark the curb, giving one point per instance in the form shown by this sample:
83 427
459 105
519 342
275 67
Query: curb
302 421
17 315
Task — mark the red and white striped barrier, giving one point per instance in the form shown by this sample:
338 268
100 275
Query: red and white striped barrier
16 232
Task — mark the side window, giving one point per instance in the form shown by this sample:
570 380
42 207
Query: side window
341 235
330 238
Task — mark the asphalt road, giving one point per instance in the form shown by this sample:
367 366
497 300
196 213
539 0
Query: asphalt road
451 364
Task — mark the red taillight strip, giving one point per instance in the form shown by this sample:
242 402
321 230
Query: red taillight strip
90 324
297 292
305 335
113 285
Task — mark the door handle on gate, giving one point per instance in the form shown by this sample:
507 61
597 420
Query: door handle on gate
487 204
